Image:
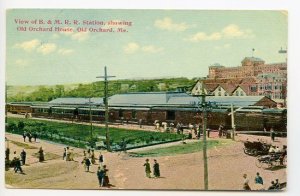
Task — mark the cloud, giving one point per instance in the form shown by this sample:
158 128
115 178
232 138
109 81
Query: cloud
28 45
65 51
152 49
21 62
46 48
231 31
169 25
225 46
201 36
133 47
80 36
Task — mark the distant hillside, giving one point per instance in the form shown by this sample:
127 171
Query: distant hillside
95 89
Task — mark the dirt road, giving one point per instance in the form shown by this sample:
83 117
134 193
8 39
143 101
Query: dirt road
227 164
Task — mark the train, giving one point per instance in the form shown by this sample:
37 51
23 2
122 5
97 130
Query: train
250 118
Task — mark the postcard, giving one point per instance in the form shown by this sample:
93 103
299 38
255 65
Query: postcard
107 99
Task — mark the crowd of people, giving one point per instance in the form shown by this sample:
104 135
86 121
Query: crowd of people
20 160
30 136
259 183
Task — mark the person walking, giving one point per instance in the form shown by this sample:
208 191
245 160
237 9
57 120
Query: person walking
147 168
24 136
272 134
105 179
246 186
93 160
87 164
17 163
156 171
258 179
101 159
100 175
30 137
41 155
23 157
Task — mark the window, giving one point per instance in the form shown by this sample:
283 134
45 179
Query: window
237 93
225 94
170 115
242 94
253 89
219 89
219 94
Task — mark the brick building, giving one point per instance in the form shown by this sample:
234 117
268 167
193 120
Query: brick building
252 78
251 67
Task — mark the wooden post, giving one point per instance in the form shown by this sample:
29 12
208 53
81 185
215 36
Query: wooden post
204 138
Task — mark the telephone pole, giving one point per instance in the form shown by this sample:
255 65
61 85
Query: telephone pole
106 106
204 105
232 122
91 118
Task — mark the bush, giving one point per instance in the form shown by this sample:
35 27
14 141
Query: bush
21 125
12 126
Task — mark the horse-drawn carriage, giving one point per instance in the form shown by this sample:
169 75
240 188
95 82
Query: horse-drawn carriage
271 160
256 148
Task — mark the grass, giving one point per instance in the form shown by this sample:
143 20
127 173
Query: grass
82 132
22 145
179 149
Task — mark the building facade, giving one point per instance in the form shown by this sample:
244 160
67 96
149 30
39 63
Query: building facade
252 78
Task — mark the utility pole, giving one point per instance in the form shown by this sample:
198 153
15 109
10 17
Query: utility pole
232 122
204 137
106 106
91 123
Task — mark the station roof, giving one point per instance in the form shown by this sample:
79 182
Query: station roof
76 101
235 100
151 99
144 98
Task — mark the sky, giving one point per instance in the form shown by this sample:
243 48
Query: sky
158 43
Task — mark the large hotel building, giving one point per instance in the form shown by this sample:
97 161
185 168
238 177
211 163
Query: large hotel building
252 78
